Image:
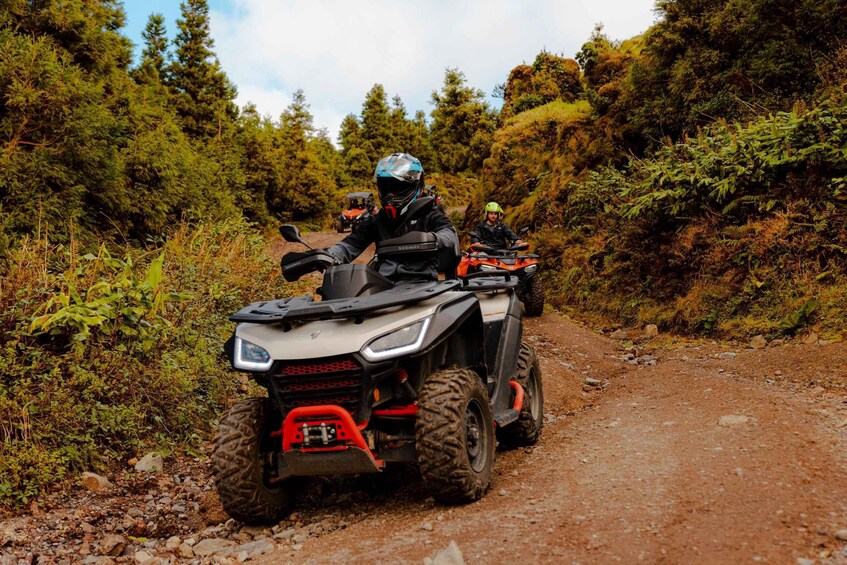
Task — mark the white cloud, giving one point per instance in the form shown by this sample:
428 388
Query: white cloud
336 50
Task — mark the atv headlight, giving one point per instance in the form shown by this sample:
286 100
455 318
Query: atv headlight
251 357
530 269
399 342
484 267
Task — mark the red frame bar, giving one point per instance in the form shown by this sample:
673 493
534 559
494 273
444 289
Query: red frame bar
409 410
292 428
519 395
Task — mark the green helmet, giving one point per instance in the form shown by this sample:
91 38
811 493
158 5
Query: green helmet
493 207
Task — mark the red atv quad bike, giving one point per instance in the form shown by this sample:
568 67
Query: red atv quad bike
525 267
357 206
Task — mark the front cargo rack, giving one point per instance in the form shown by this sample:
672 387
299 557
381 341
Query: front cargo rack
304 308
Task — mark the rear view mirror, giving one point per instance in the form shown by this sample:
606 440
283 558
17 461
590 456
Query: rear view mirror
524 230
289 232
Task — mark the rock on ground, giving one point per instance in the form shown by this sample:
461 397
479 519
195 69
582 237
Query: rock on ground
150 463
450 555
212 546
732 420
95 482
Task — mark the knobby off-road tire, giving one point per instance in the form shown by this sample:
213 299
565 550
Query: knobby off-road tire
527 428
339 227
534 304
454 436
238 466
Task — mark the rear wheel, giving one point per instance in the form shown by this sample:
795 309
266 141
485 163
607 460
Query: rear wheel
534 296
454 435
527 429
244 464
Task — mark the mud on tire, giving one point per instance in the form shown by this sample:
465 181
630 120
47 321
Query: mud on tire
237 461
527 429
454 436
534 304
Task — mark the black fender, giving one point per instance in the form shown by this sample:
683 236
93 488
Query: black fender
509 345
454 339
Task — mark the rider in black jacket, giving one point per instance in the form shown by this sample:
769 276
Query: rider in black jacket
399 179
493 231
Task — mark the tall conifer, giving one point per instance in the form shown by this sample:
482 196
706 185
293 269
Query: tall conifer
155 57
376 136
204 93
462 124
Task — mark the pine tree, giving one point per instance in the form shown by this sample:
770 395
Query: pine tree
356 161
64 88
204 94
376 136
401 128
297 120
348 133
419 142
155 57
306 187
462 126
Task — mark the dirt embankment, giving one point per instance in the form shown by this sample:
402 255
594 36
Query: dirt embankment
674 452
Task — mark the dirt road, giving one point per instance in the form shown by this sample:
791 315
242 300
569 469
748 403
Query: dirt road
678 456
695 459
674 452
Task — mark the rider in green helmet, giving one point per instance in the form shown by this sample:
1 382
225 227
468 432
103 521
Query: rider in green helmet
493 231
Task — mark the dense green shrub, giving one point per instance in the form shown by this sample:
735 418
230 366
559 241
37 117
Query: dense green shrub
103 357
735 230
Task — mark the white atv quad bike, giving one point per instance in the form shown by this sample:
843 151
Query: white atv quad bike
432 373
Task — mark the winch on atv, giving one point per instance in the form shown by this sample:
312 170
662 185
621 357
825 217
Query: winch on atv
375 374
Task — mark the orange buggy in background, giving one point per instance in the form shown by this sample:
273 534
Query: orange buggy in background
356 207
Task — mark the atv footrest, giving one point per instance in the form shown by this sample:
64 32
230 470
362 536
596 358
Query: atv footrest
506 417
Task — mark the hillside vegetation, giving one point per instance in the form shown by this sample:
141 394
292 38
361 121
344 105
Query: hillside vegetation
696 178
107 353
133 202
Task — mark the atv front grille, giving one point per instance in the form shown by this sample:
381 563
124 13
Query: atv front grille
336 366
327 381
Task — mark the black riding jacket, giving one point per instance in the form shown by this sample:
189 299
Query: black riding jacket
381 227
498 236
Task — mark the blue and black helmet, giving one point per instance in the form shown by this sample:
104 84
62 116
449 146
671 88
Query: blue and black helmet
399 179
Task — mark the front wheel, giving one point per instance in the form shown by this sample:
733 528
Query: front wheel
243 464
527 429
454 436
339 226
534 296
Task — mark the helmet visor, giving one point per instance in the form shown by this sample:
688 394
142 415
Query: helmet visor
400 166
394 192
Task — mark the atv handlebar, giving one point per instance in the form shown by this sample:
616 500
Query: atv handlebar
494 252
296 264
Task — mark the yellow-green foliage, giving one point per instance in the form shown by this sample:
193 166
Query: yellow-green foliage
549 78
531 152
455 190
736 231
106 355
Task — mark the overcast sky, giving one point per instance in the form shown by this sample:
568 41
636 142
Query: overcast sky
336 50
